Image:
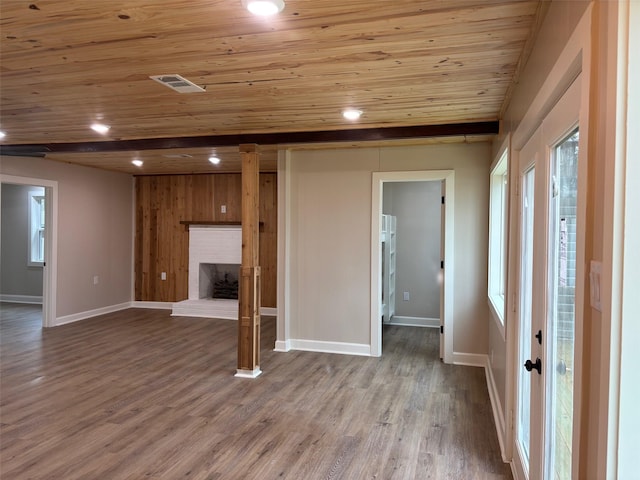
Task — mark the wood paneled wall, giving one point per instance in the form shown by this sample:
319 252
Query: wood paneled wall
162 242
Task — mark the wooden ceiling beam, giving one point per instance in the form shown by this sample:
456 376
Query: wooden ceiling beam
278 138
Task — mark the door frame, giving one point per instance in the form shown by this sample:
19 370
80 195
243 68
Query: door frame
50 269
446 320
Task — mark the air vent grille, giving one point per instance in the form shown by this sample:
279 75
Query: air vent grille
177 83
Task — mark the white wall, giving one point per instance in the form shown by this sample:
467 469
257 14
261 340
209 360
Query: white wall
95 232
417 208
330 229
17 277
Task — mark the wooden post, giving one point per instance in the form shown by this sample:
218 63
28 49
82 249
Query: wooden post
249 285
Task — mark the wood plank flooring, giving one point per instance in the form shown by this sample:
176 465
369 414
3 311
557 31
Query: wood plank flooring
139 394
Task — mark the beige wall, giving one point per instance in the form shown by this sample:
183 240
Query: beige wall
95 232
331 234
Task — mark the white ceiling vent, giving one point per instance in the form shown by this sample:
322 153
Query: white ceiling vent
177 83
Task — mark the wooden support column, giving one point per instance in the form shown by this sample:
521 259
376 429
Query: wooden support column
249 285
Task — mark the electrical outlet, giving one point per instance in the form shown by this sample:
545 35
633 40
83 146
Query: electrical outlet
163 276
223 209
96 279
406 296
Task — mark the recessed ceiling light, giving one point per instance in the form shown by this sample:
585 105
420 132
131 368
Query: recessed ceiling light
137 162
2 135
100 128
215 160
351 113
264 8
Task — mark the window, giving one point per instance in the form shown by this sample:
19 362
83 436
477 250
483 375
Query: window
498 200
36 228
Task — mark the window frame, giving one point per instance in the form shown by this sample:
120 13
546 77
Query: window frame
36 223
497 254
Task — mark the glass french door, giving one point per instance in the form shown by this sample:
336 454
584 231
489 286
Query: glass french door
548 183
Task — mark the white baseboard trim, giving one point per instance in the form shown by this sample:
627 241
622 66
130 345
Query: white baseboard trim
496 406
266 311
470 359
360 349
248 373
75 317
282 346
155 305
414 321
31 299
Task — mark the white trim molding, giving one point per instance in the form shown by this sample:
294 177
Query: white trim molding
264 311
76 317
152 305
402 321
283 322
470 359
496 406
248 373
282 346
31 299
343 348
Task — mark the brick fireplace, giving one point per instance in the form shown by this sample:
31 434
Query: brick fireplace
213 251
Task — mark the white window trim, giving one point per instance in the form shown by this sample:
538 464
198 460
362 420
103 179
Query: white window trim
32 195
498 212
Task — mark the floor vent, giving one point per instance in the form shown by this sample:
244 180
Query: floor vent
177 83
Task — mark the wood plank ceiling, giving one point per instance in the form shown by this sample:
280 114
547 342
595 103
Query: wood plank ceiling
404 63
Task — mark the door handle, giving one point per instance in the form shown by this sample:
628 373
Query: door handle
537 365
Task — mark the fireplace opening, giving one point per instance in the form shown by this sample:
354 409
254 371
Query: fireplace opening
219 280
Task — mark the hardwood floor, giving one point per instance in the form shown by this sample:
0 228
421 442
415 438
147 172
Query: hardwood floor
139 394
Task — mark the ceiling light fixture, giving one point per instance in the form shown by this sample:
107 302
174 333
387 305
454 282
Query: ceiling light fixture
351 113
264 8
137 163
2 135
100 128
215 160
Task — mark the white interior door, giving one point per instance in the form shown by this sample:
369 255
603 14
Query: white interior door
548 174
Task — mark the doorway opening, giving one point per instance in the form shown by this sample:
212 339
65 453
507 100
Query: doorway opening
433 278
411 253
36 259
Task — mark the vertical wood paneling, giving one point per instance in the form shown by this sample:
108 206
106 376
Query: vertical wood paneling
162 243
268 238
